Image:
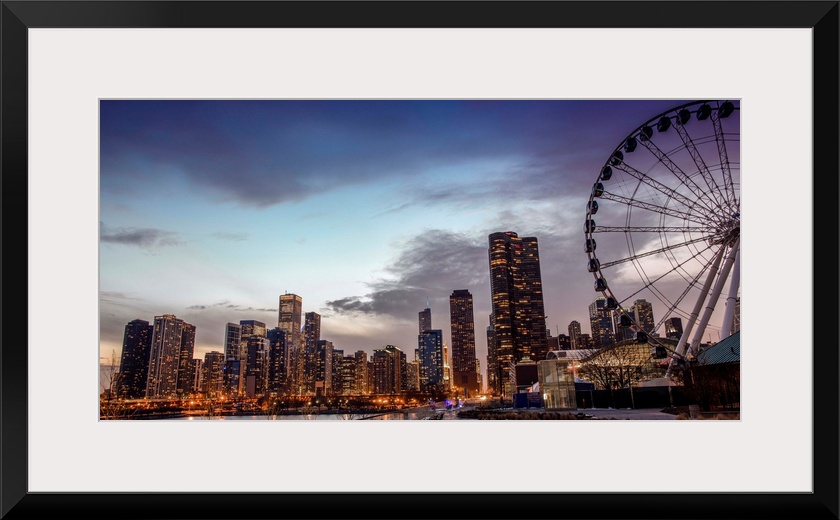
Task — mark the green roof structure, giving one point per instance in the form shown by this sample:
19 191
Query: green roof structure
727 350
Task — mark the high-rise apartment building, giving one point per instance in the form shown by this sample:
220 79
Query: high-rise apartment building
164 357
289 319
134 361
291 310
323 367
256 365
186 378
430 356
278 361
462 322
412 376
493 373
673 328
337 386
643 314
600 320
622 332
197 375
233 344
519 327
574 334
311 337
389 370
214 363
361 377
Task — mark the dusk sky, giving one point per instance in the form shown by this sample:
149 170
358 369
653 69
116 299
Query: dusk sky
210 210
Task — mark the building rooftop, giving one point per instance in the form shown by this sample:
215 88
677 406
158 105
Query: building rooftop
570 354
727 350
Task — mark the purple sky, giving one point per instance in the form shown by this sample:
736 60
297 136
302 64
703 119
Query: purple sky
211 209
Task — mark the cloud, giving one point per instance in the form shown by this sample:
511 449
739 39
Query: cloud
147 238
262 153
429 265
227 305
117 298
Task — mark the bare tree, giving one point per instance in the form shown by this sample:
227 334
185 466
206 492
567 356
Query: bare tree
617 367
111 404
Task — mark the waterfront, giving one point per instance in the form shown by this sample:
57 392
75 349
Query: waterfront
426 413
412 414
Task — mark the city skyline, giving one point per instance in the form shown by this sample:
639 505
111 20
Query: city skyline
367 210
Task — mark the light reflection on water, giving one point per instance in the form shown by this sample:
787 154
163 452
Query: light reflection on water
393 416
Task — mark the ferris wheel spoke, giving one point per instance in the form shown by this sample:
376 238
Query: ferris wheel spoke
724 160
700 163
654 229
674 307
606 265
665 190
649 284
686 180
653 207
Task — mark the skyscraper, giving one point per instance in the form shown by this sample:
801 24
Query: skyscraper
429 353
462 321
311 337
164 357
214 363
337 375
425 319
492 368
248 328
361 376
643 314
430 357
673 328
186 378
278 361
574 334
623 333
197 374
323 367
389 370
233 346
134 361
253 348
600 319
517 299
291 308
256 365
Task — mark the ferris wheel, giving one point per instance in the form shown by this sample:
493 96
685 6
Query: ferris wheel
667 206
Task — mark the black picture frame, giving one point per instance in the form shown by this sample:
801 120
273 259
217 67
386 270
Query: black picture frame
19 16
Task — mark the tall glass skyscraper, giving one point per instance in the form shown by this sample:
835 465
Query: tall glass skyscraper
519 328
233 346
462 321
289 319
311 337
643 314
185 360
424 319
673 328
164 357
600 319
134 362
574 334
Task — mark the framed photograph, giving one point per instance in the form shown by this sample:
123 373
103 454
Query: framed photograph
218 160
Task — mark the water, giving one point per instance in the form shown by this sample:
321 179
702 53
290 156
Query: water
409 415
